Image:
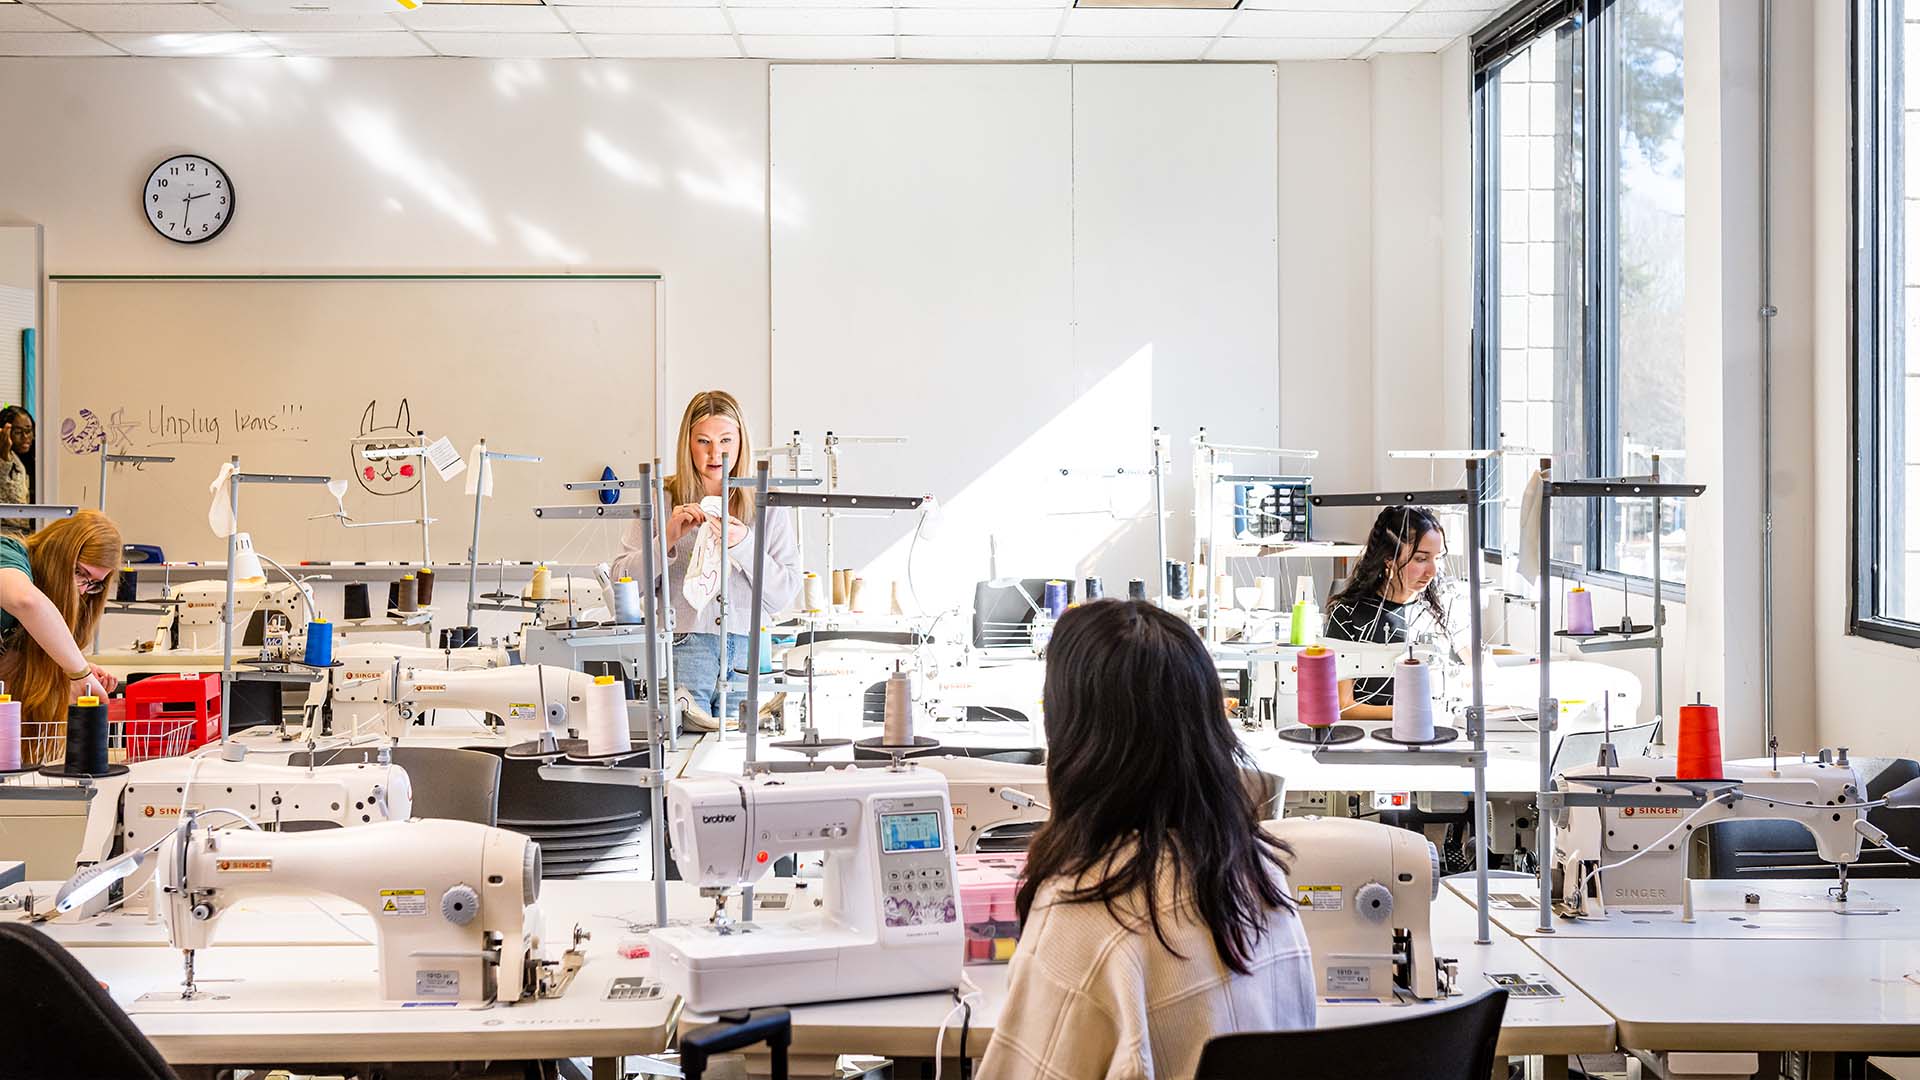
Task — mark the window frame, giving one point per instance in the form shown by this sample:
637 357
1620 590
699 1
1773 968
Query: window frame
1874 170
1599 301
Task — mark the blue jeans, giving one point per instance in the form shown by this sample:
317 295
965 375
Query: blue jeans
696 666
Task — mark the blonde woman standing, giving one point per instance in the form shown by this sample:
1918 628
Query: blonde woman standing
714 426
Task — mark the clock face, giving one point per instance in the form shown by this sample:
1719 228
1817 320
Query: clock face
188 199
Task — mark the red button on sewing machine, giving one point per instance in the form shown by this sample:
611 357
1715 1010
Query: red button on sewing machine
762 857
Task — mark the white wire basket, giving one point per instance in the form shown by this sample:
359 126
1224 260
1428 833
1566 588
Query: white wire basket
128 741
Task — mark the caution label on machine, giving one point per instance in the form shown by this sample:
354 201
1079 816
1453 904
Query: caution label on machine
1319 897
403 901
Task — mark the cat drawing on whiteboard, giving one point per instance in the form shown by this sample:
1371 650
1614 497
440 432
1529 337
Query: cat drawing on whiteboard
387 476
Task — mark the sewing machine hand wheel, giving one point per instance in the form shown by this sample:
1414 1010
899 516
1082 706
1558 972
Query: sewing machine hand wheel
733 1030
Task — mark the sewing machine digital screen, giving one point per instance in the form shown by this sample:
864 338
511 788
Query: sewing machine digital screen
910 832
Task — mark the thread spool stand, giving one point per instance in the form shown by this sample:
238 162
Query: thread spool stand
1609 489
810 745
1332 735
1207 461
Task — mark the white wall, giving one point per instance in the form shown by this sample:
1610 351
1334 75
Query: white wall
344 166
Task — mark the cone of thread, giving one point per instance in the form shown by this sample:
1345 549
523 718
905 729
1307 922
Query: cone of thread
1698 755
1319 687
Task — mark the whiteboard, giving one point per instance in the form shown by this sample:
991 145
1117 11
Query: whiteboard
287 373
1023 269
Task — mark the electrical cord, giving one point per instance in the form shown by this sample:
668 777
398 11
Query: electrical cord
1669 834
961 1002
966 1023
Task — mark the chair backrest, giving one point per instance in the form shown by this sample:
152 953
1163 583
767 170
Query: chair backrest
1451 1043
1784 849
463 785
60 1022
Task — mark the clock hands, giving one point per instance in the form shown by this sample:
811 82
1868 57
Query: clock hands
187 221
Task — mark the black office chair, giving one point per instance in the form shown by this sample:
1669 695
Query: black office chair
1744 850
463 785
60 1022
1454 1043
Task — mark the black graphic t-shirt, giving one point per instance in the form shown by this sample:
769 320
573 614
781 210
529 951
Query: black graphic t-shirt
1379 621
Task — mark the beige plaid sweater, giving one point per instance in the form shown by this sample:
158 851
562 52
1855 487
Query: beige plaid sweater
1090 998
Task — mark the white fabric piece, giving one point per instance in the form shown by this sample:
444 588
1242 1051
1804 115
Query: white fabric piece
479 472
705 564
1528 567
782 575
220 510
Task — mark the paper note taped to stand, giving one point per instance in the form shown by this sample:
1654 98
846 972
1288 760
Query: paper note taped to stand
445 459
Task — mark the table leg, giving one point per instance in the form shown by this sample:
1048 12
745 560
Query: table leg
1686 1065
608 1068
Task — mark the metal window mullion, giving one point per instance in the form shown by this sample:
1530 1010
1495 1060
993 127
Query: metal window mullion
1486 231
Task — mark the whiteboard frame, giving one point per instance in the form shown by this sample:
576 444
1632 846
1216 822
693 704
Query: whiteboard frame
50 313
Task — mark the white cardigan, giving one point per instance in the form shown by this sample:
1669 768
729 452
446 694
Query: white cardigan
782 575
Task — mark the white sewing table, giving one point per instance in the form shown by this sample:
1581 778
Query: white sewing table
1708 998
304 958
905 1027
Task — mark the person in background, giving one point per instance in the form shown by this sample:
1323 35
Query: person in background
53 587
16 473
1393 597
712 426
1156 910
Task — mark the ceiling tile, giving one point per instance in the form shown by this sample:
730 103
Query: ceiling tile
1411 45
1397 7
644 20
1447 24
1311 24
17 17
468 19
1130 48
1254 48
1083 22
390 43
506 46
786 47
304 21
975 48
663 46
68 44
1031 22
234 44
1488 6
987 5
836 21
139 18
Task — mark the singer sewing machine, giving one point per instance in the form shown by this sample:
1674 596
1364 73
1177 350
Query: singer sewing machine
452 902
891 924
997 805
1365 893
355 692
193 620
1827 796
529 700
133 811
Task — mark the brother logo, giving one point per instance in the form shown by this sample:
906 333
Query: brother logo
717 819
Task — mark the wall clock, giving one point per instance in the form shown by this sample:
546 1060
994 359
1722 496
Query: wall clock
188 199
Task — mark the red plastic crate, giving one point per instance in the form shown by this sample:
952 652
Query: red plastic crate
159 706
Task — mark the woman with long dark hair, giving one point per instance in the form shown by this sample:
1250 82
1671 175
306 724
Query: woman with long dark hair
1392 598
1156 909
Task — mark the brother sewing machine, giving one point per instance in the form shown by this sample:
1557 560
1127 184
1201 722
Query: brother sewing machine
452 902
891 924
1826 795
1365 893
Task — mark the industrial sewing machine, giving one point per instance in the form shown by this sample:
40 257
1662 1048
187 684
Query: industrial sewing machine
997 805
357 691
1365 893
452 901
891 924
131 812
1828 796
192 623
529 700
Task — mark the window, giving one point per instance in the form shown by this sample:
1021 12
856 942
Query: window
1886 286
1580 345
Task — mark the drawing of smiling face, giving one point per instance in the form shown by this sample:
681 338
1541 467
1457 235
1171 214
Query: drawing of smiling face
388 476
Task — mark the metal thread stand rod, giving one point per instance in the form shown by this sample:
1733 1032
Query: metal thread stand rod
666 689
1160 516
1549 710
1476 718
656 746
726 573
473 546
750 709
1659 626
226 612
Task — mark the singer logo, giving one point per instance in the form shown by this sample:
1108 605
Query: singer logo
365 674
1650 811
163 811
718 819
433 688
228 866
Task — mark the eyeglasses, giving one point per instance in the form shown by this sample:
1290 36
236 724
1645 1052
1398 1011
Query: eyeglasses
87 583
